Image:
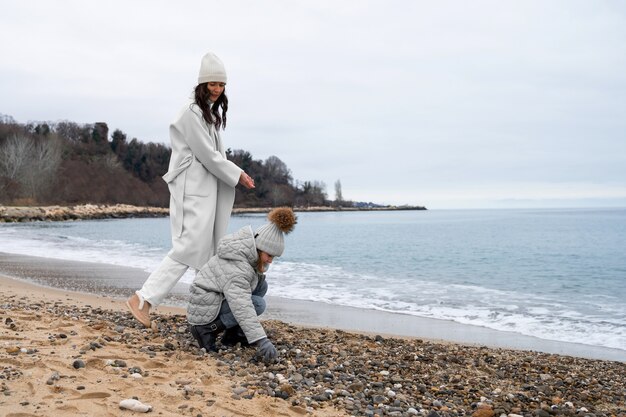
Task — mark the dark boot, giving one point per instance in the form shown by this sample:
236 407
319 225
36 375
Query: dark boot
206 334
233 336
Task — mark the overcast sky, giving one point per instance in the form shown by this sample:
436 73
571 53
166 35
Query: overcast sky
447 104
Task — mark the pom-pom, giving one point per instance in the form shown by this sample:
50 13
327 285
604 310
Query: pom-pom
284 218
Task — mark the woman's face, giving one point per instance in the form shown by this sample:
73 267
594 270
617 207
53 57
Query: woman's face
215 90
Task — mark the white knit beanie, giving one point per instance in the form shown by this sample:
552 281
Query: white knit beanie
270 237
211 69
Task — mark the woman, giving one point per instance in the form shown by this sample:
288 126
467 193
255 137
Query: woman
202 187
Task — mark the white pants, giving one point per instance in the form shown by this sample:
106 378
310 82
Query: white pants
162 280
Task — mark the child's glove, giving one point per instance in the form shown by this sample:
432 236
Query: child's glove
265 349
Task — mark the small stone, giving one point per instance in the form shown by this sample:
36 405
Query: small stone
412 411
183 381
378 399
78 364
288 389
483 411
135 405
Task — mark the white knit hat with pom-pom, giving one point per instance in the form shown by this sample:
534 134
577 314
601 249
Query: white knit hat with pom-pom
270 237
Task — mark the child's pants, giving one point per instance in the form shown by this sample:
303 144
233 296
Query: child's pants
162 280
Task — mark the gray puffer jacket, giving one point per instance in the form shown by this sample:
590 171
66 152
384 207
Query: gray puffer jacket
229 274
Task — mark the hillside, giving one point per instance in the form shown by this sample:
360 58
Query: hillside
65 163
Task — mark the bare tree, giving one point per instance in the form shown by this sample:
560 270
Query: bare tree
14 154
32 163
13 160
338 194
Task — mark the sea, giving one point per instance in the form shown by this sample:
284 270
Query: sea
556 274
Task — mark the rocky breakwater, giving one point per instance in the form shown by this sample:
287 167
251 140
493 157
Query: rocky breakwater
10 214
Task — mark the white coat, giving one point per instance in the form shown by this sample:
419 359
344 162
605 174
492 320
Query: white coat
202 188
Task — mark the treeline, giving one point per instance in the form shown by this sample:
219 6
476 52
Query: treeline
66 163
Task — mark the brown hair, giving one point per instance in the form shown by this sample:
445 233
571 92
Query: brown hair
259 263
211 114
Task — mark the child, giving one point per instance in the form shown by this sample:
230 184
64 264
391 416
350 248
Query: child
227 293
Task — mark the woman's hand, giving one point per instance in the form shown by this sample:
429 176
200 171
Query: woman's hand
246 180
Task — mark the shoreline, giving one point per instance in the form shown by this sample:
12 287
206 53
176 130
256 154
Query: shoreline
119 282
67 353
15 214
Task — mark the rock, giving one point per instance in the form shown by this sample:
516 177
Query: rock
78 364
54 377
135 405
483 411
183 381
287 388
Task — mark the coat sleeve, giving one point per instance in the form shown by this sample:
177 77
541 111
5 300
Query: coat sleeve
199 139
238 294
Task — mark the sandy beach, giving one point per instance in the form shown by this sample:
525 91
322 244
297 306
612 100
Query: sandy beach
67 353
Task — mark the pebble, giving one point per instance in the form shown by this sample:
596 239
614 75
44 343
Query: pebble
78 363
54 377
364 375
135 405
